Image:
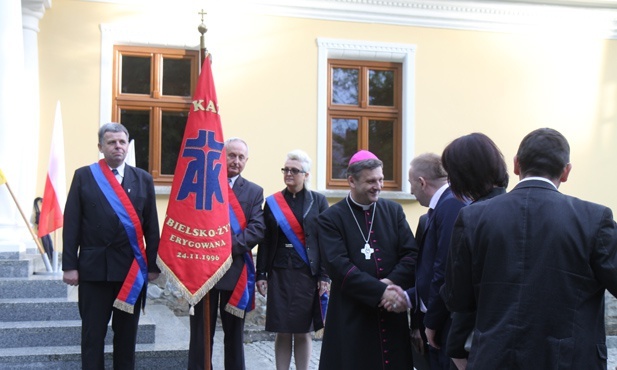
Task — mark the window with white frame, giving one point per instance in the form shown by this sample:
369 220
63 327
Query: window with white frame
365 102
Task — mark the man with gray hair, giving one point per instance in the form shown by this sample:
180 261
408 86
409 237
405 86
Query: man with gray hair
429 184
110 211
245 199
366 246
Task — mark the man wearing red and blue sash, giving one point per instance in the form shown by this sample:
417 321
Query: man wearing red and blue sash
111 238
233 294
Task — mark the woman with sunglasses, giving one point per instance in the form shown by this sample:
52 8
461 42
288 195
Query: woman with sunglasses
289 268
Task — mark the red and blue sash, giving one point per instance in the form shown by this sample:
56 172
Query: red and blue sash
242 298
288 223
137 276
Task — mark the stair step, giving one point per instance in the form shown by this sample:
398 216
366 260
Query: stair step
15 268
168 351
10 255
35 286
59 333
38 309
147 357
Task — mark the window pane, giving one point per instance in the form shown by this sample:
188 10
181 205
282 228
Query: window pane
345 86
138 124
381 143
344 145
381 88
135 75
171 140
176 77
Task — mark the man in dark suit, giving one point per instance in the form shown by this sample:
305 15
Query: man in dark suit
534 264
418 341
250 197
429 185
104 249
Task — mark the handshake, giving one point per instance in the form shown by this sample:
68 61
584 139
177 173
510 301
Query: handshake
394 298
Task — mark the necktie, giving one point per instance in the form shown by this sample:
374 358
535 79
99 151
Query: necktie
117 175
430 212
230 184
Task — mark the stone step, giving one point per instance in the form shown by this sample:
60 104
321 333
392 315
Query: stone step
59 333
35 286
10 255
15 268
38 309
168 351
147 357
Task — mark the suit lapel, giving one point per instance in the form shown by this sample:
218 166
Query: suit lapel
129 183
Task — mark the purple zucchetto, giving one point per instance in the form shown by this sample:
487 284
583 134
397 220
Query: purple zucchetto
362 155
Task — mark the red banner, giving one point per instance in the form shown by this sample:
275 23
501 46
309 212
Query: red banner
195 248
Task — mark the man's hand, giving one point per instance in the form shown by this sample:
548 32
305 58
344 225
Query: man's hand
262 287
416 341
71 277
461 363
324 287
393 299
431 336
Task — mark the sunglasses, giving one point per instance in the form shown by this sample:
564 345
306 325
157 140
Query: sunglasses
294 171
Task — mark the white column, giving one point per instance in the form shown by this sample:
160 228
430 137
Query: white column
19 116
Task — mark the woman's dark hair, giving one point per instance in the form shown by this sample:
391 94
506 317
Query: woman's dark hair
475 166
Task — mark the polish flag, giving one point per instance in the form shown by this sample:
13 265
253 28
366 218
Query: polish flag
54 196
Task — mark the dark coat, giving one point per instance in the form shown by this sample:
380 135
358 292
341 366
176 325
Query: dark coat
432 258
359 334
95 242
535 264
251 198
463 322
314 204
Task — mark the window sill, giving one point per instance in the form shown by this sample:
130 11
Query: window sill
162 189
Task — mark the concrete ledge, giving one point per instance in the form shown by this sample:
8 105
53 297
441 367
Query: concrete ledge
69 358
35 286
59 333
10 255
38 309
15 268
168 351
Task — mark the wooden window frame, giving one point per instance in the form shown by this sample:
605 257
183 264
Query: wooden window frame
155 102
364 113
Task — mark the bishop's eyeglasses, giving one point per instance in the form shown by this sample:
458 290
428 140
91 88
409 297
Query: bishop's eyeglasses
293 171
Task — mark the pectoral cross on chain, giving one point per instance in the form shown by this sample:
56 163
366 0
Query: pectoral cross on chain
367 250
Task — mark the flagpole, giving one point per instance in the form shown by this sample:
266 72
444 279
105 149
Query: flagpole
202 41
36 239
54 259
203 52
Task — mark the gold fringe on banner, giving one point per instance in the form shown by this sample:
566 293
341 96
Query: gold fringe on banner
193 299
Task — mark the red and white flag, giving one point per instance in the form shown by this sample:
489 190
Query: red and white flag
195 247
54 197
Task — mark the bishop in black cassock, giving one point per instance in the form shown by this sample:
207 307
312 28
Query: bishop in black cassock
366 244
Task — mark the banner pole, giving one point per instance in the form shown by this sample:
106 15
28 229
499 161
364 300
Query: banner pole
206 300
36 239
207 336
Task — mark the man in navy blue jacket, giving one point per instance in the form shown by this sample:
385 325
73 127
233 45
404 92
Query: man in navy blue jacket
429 184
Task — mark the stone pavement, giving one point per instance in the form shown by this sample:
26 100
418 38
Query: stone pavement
259 355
